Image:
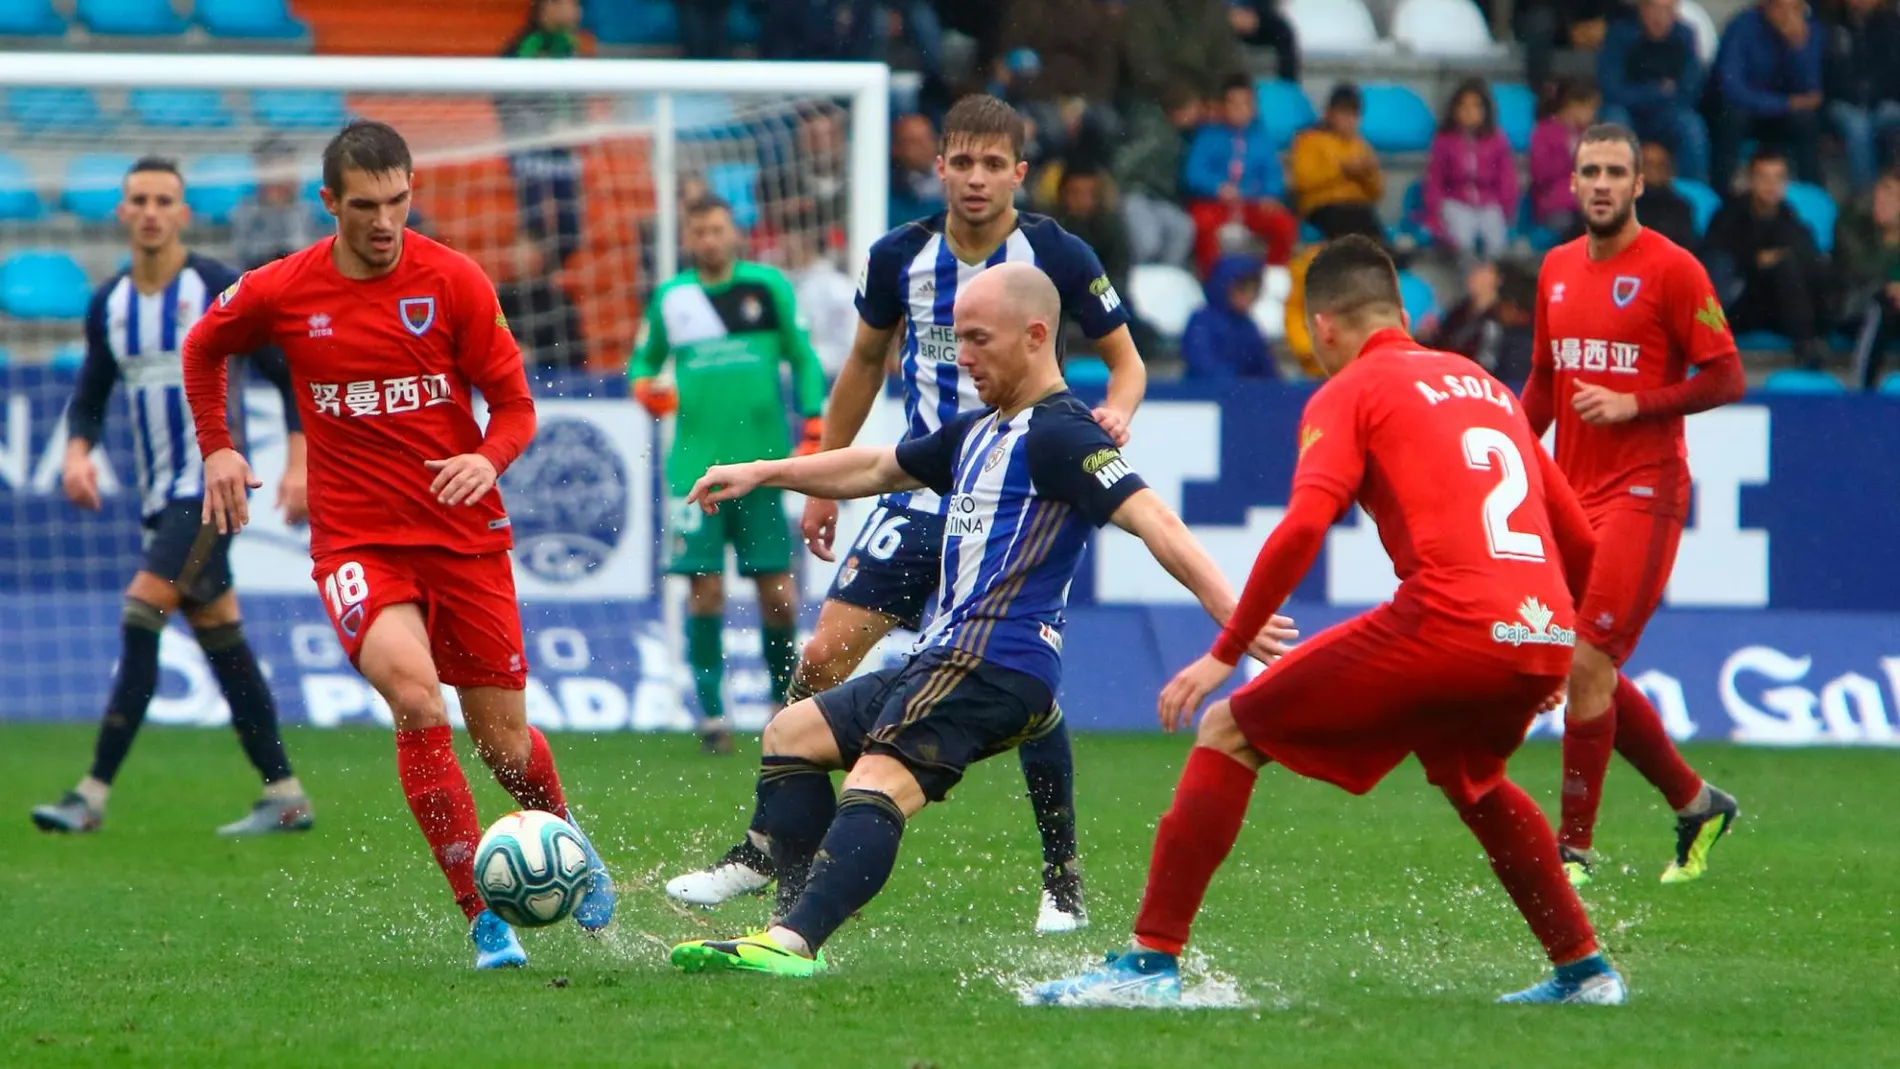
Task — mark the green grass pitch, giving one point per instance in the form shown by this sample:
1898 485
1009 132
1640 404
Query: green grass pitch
1343 932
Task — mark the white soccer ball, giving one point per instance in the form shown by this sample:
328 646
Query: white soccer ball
531 868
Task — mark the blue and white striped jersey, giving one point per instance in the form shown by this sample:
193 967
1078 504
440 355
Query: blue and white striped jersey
912 275
136 338
1021 497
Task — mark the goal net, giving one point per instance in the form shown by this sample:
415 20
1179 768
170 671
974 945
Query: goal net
562 179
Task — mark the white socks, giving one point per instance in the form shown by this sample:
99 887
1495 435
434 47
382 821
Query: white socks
95 792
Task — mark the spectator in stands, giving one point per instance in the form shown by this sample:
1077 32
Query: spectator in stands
1661 208
1058 65
1494 324
1148 168
1233 176
1260 24
1165 41
1553 149
816 29
826 297
1470 188
1867 261
916 191
1652 79
1861 82
1544 25
1768 87
1222 341
1764 262
820 176
1083 209
1336 181
273 221
547 180
539 315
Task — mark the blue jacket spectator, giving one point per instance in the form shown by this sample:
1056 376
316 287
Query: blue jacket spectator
1220 154
1221 341
1652 79
1768 82
1862 83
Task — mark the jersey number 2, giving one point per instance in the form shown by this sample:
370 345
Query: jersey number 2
1483 447
346 586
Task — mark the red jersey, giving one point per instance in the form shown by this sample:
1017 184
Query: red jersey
1439 454
382 369
1633 323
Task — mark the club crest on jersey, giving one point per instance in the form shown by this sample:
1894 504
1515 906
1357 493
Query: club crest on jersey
418 314
997 452
1624 289
750 309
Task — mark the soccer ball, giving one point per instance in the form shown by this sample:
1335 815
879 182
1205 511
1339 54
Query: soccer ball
530 868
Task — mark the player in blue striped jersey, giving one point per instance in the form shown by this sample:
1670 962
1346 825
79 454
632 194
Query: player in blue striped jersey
1028 480
909 288
135 329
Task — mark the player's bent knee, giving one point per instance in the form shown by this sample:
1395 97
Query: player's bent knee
1592 684
889 777
801 731
153 590
222 612
1218 731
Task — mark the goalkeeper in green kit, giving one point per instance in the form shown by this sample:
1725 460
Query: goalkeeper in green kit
728 324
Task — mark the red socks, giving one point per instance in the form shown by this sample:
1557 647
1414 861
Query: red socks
438 795
1645 744
1195 835
1523 853
1587 748
536 785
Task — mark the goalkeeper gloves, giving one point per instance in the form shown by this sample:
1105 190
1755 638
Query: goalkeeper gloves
659 401
814 430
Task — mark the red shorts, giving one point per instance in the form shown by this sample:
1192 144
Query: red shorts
1636 551
468 605
1348 706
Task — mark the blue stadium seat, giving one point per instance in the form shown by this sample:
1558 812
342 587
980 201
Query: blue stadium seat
30 18
43 284
216 184
6 358
18 199
634 22
1802 380
258 20
1763 341
69 356
1420 302
742 27
130 18
1890 384
92 185
1816 208
737 184
299 109
1285 108
1310 234
187 108
1085 371
1411 222
1396 119
1540 238
1703 200
36 109
1517 112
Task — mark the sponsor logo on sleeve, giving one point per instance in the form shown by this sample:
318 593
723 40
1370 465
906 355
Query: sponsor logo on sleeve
501 318
1103 290
1107 466
1711 315
230 292
1309 437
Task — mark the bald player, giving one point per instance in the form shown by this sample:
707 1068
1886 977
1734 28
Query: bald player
1027 479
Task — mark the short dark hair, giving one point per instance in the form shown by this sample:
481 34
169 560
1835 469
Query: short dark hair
1608 133
155 165
1346 95
709 203
1663 145
1768 153
1179 94
1236 81
1350 275
980 116
364 145
1517 285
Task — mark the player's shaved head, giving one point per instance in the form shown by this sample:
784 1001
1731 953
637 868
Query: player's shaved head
1353 278
1006 323
1027 292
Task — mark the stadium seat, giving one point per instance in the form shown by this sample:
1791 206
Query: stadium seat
1334 27
257 20
1269 311
1890 384
19 200
634 22
738 185
1703 201
1763 341
1421 304
1816 208
1396 119
1310 234
1517 112
1411 222
130 18
1285 109
1085 371
1164 296
69 356
742 26
1708 39
216 184
299 109
1539 237
30 18
188 108
43 284
36 109
1443 29
1803 381
92 185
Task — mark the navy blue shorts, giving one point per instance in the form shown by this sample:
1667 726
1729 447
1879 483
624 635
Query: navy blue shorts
893 567
938 713
188 553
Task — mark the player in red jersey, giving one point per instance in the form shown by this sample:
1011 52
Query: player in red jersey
1623 314
386 332
1477 641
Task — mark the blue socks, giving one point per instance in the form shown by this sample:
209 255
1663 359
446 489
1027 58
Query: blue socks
855 860
795 806
1049 770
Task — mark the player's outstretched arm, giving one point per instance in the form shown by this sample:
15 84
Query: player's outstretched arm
1175 548
1127 383
837 475
844 414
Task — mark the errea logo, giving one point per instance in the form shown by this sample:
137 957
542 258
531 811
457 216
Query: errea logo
1534 630
320 326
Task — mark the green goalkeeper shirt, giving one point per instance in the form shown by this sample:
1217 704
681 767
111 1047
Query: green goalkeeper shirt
727 342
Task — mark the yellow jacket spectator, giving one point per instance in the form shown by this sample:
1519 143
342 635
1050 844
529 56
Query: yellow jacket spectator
1335 178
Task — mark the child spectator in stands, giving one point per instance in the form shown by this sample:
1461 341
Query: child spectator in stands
1336 179
1470 188
1494 324
1082 208
1652 80
1661 208
543 321
1569 111
273 221
1222 341
916 191
1867 259
1148 169
1233 177
1764 262
1768 87
547 179
1861 80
